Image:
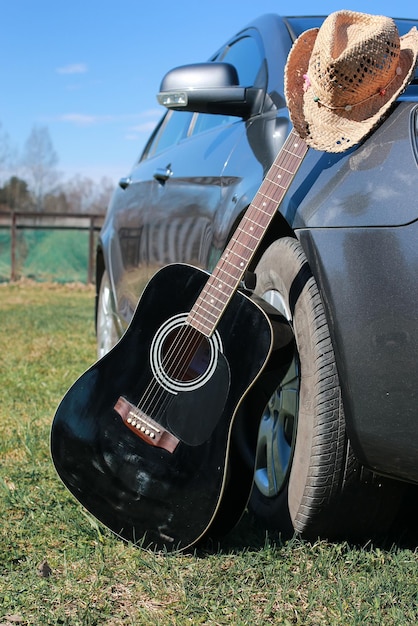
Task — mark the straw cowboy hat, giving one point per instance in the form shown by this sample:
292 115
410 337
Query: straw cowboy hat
341 79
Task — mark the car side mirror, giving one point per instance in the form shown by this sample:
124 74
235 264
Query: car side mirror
209 88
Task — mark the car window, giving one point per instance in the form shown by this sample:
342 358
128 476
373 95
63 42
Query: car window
206 121
173 129
247 58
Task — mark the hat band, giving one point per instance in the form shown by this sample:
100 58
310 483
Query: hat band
347 107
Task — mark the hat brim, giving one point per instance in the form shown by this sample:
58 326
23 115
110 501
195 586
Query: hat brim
337 130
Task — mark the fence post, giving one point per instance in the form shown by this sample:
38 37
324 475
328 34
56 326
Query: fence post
91 252
13 273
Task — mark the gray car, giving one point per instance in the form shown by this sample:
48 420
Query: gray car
335 451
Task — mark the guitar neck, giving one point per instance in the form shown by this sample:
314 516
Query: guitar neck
227 275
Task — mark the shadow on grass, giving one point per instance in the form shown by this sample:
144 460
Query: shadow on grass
248 535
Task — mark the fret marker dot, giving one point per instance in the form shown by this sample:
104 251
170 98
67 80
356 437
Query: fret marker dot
264 203
242 264
252 228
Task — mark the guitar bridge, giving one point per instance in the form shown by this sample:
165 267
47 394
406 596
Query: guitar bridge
145 427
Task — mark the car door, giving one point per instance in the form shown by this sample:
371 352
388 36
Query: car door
173 197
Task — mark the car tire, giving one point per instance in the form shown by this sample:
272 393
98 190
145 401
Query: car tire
106 329
307 479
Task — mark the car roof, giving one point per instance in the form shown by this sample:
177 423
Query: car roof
296 25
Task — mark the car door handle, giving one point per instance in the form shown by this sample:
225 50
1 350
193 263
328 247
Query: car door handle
125 182
163 173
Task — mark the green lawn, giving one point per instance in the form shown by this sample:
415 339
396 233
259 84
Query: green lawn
58 566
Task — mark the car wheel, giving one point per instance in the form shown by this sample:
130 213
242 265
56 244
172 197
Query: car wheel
106 330
306 478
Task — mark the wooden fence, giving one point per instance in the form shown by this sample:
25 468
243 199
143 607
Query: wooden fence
19 220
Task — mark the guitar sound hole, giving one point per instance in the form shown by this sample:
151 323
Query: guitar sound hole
186 354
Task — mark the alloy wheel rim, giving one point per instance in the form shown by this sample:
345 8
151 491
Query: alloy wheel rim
278 425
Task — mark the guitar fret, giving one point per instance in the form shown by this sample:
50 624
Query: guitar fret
248 219
282 169
205 329
293 154
262 210
267 204
250 228
213 303
284 187
200 319
236 242
210 307
281 180
271 198
231 275
248 247
220 294
242 259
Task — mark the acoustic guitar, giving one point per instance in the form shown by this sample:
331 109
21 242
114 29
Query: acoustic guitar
144 438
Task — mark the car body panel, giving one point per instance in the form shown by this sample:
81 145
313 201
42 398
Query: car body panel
355 214
372 185
368 279
365 259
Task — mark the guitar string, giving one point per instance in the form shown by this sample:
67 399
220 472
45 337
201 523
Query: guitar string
195 339
179 374
186 344
288 159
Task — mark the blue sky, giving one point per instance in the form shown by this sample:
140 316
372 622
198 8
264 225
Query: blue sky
89 70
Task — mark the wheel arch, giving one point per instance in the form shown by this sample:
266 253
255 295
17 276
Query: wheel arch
329 481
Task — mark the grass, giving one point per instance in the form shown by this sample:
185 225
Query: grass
58 566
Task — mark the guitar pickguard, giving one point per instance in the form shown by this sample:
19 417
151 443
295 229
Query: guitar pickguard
185 420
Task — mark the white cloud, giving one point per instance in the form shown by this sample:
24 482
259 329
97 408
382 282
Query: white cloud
73 68
146 127
150 117
79 119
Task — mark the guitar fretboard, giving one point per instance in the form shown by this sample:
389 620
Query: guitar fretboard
227 275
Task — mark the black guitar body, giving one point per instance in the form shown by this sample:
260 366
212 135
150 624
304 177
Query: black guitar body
146 493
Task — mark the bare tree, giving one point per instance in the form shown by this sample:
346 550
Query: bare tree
86 196
7 153
40 161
